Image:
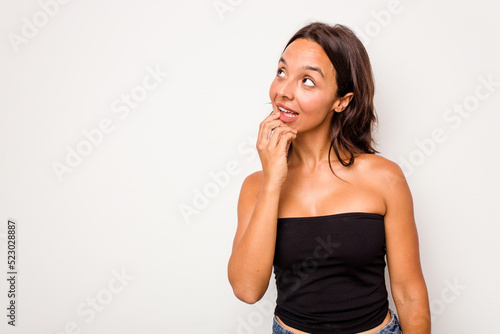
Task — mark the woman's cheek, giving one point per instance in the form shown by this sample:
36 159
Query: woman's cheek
272 90
309 103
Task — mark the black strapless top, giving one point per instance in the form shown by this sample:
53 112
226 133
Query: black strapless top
329 272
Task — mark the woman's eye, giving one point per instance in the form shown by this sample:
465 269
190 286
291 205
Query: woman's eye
280 73
308 82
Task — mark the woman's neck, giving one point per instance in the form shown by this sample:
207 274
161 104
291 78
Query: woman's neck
310 150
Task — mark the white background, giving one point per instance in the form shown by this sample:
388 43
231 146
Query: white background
119 210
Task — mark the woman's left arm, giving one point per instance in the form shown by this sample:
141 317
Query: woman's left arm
407 281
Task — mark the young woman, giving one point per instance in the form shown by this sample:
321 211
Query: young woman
325 210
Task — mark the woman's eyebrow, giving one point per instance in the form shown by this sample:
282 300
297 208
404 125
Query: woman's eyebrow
307 67
312 68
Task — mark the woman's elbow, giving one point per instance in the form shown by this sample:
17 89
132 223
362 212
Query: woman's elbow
247 288
246 296
243 292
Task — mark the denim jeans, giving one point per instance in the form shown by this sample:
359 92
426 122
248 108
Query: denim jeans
391 328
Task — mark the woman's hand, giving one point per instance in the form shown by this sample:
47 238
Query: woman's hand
272 144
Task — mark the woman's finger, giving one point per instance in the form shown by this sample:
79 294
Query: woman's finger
266 128
284 141
278 134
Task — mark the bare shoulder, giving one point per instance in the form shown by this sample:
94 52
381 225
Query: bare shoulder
386 177
252 182
379 169
250 190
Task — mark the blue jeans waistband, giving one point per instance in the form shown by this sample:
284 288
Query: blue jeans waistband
392 327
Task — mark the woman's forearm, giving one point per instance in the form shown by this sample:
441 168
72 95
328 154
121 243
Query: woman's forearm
250 265
414 314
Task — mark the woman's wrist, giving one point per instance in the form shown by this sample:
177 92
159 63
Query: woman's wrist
271 186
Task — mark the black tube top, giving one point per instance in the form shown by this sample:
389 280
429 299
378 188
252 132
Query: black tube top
329 272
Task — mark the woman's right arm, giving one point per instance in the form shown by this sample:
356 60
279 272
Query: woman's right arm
251 261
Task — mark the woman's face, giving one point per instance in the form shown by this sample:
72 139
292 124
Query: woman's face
303 91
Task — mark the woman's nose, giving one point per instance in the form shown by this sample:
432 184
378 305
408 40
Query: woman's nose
286 89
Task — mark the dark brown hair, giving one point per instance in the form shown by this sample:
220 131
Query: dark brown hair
351 129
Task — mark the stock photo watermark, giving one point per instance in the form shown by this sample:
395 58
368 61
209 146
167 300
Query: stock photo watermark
122 107
30 27
448 295
222 7
298 273
97 303
202 196
381 19
12 271
454 117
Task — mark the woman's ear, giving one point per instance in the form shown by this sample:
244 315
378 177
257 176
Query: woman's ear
342 102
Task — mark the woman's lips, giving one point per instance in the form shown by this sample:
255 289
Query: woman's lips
286 115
